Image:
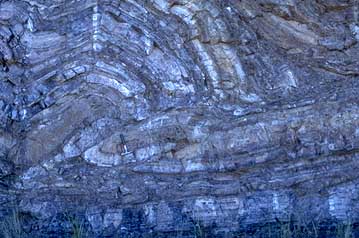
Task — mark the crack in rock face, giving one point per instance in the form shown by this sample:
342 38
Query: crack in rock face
176 117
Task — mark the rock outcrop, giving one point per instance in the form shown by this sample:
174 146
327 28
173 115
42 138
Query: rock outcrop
236 113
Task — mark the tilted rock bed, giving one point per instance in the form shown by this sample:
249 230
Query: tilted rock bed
237 114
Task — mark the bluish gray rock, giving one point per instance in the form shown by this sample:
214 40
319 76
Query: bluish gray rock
235 114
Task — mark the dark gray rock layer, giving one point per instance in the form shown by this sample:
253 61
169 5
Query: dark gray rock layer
236 113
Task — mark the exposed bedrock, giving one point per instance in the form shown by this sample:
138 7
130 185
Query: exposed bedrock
236 113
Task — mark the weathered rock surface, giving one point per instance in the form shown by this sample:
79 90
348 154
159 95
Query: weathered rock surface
237 113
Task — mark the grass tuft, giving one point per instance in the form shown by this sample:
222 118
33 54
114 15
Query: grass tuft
344 230
77 227
11 226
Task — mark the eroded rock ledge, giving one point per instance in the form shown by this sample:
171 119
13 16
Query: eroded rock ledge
237 113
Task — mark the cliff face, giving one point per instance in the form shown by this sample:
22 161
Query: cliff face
236 113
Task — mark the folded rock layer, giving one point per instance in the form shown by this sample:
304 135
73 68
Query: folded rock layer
235 113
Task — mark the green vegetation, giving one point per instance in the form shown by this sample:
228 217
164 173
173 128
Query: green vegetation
345 230
77 227
198 231
11 226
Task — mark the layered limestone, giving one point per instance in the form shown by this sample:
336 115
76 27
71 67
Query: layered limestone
235 113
